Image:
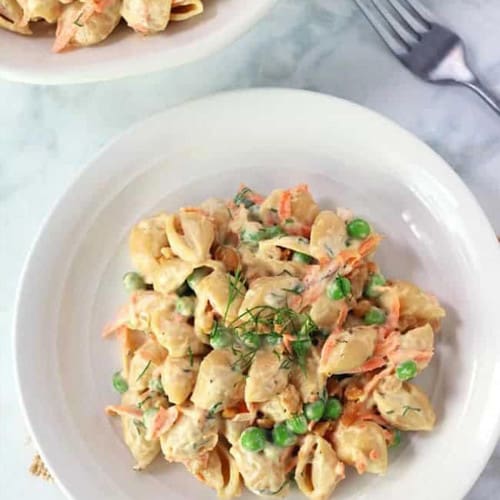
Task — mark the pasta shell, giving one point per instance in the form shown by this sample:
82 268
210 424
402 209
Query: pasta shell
193 434
296 243
218 384
48 10
257 267
143 364
328 235
12 17
282 406
185 9
417 307
220 216
318 469
134 434
404 405
213 293
170 275
190 235
327 313
302 206
178 337
270 291
146 242
264 473
417 345
142 449
178 376
308 381
346 352
363 446
146 16
266 378
218 471
83 23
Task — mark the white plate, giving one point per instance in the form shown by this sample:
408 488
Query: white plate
435 233
124 53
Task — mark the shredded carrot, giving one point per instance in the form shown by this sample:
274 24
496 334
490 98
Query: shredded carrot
368 388
117 323
164 420
285 205
371 364
341 318
368 245
327 349
123 410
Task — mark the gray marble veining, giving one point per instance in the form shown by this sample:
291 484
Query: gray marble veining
49 133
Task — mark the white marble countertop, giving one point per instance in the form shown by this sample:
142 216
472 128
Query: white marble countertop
49 133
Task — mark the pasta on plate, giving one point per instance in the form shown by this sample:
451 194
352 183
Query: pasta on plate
80 23
262 346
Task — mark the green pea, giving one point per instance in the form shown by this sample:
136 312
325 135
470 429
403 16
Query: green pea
333 409
396 439
196 276
338 288
406 370
253 439
371 288
133 281
301 257
185 306
358 228
273 338
314 411
375 316
283 436
251 340
119 383
221 337
297 424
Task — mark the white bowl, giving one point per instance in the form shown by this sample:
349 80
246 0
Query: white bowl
124 53
436 235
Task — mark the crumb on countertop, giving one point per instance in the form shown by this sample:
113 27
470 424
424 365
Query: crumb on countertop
38 468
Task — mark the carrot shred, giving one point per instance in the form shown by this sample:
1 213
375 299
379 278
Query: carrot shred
285 205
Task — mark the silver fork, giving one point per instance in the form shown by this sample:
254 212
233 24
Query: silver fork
427 48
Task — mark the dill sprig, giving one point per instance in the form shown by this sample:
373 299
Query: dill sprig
148 364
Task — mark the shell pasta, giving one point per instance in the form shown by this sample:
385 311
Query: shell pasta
81 23
262 345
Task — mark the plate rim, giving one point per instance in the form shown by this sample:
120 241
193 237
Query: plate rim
443 167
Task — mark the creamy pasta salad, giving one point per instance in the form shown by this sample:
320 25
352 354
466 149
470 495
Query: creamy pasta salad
87 22
262 346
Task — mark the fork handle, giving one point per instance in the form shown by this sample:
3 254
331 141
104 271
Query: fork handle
486 94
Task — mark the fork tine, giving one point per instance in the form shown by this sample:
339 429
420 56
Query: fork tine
408 37
398 47
410 19
423 12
